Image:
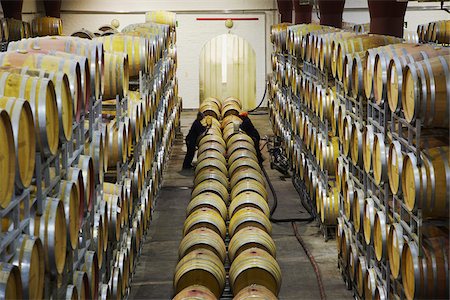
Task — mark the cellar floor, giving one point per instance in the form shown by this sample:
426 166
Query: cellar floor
155 267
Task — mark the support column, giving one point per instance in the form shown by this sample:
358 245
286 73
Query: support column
285 10
52 8
12 9
331 12
387 17
302 12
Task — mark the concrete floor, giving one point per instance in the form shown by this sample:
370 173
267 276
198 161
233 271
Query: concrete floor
154 272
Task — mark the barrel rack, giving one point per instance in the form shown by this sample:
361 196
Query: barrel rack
49 171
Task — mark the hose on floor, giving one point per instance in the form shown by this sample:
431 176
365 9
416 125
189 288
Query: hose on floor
275 205
297 235
261 102
312 260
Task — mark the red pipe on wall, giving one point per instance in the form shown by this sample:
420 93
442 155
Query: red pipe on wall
331 12
285 10
12 9
387 17
302 12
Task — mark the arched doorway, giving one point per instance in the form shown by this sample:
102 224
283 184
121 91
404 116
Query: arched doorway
228 68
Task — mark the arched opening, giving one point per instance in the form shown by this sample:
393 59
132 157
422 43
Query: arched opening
228 68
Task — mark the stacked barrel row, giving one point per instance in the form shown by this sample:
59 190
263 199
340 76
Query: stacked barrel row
227 169
202 251
386 107
86 217
435 32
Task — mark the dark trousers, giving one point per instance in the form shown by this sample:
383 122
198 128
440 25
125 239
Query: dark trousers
189 154
258 151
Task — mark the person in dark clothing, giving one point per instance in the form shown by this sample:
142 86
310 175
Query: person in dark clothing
251 131
197 129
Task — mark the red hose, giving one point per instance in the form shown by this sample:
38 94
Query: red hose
312 260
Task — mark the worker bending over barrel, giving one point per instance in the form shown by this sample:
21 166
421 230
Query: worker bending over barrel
251 131
197 129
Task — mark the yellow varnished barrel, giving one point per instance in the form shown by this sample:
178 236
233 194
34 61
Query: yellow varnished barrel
209 109
40 92
242 164
68 194
212 138
43 26
231 119
249 216
91 267
395 244
22 124
211 154
71 292
329 209
117 143
241 153
211 146
8 161
81 281
116 284
136 47
84 34
208 200
418 281
239 137
195 292
202 238
211 173
116 75
248 185
255 291
76 175
96 150
98 237
255 266
29 257
248 199
51 228
205 217
10 282
250 237
162 17
426 187
246 173
211 186
86 165
379 159
230 108
380 234
240 145
201 267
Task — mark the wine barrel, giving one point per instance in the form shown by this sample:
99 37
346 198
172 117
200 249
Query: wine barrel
426 276
10 282
116 284
426 187
361 271
76 175
84 34
211 146
91 267
43 26
201 267
246 217
116 75
325 47
12 29
205 217
81 281
255 291
395 244
367 146
369 219
212 138
356 141
248 185
250 237
395 74
117 144
213 174
379 159
242 164
380 232
248 199
208 200
86 165
255 266
441 32
22 125
71 292
95 149
105 293
370 283
161 17
195 292
207 154
358 213
430 105
329 209
40 92
51 229
68 194
122 264
33 61
202 238
29 257
98 237
246 173
211 186
137 49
